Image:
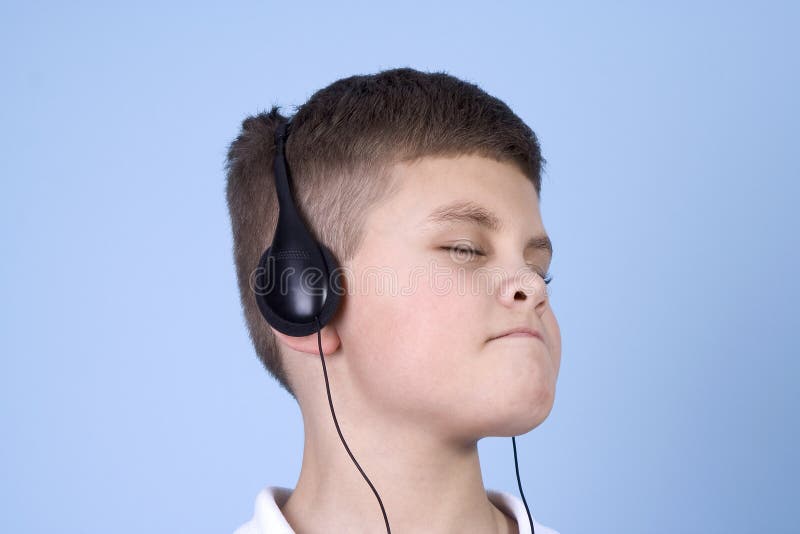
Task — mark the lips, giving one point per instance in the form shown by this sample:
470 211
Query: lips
519 332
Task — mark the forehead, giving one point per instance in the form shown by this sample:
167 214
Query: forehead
437 191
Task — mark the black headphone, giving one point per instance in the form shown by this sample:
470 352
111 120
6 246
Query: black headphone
297 308
294 308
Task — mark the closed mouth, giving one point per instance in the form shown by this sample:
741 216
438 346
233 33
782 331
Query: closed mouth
522 332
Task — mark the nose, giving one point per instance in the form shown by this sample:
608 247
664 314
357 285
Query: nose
524 289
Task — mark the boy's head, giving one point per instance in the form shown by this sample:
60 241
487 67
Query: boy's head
389 170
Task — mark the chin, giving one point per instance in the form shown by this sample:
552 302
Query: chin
524 424
531 412
515 418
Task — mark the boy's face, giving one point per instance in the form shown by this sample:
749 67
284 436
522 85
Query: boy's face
417 320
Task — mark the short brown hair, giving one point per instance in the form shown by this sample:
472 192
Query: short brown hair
343 142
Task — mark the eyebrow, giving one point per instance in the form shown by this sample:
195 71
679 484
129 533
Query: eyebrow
470 212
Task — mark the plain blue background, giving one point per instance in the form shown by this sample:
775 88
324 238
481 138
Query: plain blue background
132 400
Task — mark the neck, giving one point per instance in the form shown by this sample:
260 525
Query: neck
426 483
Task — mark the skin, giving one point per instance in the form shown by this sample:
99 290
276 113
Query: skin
414 378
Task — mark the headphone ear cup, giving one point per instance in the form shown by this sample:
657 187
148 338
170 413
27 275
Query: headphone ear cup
295 286
335 287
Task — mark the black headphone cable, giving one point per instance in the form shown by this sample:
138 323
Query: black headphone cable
330 402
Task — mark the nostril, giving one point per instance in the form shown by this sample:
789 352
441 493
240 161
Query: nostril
519 295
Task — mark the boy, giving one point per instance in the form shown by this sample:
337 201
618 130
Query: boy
435 184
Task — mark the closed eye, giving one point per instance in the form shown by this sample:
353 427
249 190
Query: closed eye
465 250
547 277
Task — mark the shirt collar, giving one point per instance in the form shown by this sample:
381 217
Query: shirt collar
268 518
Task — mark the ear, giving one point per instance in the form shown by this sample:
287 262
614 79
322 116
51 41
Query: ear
310 344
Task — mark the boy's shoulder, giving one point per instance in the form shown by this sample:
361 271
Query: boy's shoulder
268 518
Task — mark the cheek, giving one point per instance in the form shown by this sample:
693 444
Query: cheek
408 348
553 332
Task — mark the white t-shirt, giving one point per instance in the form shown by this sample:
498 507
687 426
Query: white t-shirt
268 518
